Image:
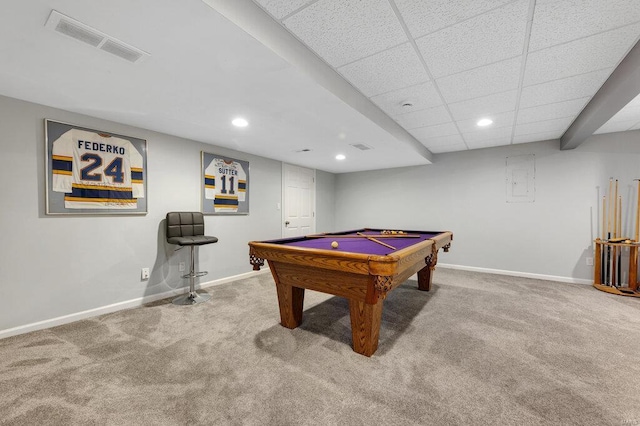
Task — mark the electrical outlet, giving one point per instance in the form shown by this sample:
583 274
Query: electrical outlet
181 267
145 274
589 261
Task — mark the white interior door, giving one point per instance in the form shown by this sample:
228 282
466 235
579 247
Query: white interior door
299 201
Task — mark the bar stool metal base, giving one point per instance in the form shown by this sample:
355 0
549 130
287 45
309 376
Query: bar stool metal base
191 298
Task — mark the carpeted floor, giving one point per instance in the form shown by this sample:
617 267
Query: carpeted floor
478 349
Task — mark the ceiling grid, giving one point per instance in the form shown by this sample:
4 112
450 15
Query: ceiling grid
529 65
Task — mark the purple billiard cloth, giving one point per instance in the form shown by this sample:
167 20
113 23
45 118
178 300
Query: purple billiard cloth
360 245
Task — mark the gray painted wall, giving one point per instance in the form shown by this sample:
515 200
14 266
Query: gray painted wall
52 266
465 192
56 266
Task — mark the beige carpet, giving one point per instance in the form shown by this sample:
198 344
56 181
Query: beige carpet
478 349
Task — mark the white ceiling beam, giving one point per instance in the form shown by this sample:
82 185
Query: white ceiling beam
620 88
256 22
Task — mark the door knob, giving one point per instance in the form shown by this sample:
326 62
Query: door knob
286 223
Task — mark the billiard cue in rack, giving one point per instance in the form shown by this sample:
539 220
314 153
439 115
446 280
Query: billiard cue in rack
608 260
603 265
614 257
633 257
619 235
637 236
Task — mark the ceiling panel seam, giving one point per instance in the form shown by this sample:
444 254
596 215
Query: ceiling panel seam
426 67
523 66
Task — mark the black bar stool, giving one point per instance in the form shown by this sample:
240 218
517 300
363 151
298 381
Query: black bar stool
186 229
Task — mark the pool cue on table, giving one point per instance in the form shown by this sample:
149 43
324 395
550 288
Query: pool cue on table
377 241
365 236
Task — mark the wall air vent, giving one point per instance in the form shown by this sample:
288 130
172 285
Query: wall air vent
361 146
84 33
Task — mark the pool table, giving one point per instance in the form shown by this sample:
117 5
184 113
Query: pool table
361 269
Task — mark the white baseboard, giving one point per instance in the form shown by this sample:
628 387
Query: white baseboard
66 319
133 303
517 274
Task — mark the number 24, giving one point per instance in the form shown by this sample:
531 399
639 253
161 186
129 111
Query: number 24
113 170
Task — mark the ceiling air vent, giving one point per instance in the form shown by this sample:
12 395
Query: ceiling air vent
122 50
361 146
84 33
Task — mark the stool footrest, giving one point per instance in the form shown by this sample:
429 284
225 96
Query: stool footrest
196 274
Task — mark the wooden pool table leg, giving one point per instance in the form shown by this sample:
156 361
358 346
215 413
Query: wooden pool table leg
290 300
426 274
365 326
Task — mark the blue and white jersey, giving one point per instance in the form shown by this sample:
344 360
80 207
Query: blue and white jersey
225 182
97 171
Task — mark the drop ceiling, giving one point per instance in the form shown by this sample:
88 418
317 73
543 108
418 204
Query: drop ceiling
529 65
406 78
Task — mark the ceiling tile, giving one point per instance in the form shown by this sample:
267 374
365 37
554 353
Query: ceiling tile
556 22
504 119
442 141
550 111
426 117
564 89
490 143
559 124
535 137
421 96
484 106
281 8
342 31
488 38
593 53
440 149
616 126
482 81
482 135
426 16
446 129
386 71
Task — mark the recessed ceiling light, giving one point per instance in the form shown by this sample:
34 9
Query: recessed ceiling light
240 122
485 122
340 157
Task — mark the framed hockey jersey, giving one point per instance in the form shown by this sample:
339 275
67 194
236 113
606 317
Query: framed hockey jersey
94 172
225 185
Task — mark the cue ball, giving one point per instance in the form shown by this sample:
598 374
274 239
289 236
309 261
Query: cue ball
334 244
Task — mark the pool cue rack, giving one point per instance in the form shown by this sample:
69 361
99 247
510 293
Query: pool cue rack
609 250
